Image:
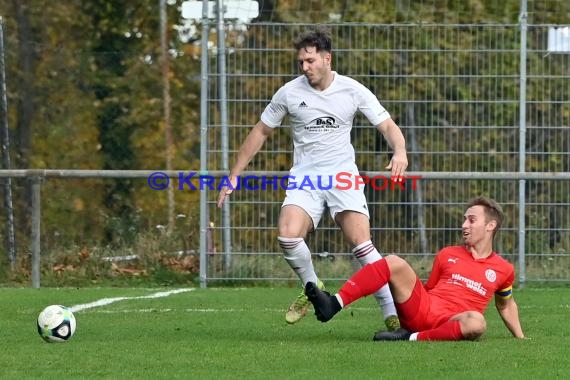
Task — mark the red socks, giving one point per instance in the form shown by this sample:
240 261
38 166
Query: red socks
372 277
366 281
450 330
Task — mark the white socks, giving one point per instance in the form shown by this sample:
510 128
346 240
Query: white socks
298 256
366 253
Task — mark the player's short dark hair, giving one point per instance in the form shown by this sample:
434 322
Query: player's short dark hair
493 211
318 38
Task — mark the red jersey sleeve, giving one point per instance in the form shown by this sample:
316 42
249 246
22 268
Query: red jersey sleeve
505 290
435 272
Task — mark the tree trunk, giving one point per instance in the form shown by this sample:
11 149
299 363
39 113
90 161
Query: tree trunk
25 111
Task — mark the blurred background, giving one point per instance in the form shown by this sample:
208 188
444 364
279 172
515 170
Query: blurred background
480 89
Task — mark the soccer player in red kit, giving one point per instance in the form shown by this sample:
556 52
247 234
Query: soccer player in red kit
450 305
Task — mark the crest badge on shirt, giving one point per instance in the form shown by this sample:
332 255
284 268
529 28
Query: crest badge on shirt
491 275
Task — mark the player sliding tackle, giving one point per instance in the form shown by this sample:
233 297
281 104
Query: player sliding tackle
450 305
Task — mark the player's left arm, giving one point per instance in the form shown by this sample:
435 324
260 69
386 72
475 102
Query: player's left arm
395 138
509 311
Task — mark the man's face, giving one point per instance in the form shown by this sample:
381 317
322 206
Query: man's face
475 228
316 66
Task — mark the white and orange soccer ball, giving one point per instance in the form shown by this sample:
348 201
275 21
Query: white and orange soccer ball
56 323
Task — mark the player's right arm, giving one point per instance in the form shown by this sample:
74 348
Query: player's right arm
435 272
251 145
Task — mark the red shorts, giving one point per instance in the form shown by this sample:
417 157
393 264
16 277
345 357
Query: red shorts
418 313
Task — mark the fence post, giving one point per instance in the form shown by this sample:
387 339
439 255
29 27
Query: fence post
204 215
522 143
5 139
36 218
222 88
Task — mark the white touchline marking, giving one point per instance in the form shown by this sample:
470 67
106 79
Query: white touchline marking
119 311
107 301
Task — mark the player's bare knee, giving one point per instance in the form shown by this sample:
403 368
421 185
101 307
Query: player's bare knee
473 325
395 263
285 232
291 230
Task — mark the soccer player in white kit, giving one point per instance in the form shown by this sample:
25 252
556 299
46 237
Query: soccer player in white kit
321 105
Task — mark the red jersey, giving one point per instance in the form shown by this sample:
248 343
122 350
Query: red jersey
458 282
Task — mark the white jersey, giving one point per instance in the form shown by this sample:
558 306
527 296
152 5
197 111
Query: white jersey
321 121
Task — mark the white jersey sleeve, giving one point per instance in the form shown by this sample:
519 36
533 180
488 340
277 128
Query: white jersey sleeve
369 105
276 110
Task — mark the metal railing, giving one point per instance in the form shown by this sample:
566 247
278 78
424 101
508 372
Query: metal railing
38 176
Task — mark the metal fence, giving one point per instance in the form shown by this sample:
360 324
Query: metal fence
255 254
474 101
485 109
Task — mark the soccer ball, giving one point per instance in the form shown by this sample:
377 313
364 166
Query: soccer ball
56 323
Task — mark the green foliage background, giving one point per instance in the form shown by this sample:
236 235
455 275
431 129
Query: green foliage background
85 92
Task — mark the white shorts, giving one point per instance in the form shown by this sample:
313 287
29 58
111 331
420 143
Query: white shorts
313 193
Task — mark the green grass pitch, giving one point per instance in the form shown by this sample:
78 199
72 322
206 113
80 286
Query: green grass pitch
240 333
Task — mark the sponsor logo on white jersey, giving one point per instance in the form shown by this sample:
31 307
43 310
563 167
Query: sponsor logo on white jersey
321 124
